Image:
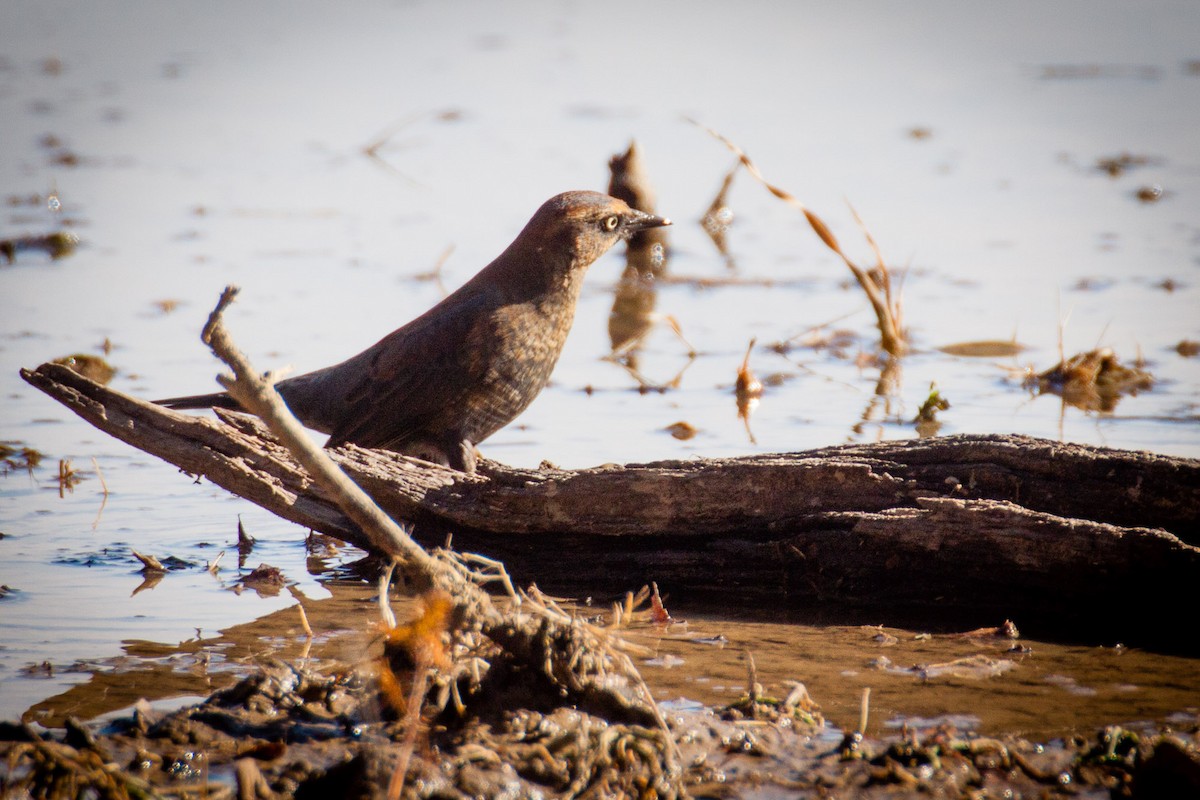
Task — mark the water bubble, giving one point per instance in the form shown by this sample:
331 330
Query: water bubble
658 255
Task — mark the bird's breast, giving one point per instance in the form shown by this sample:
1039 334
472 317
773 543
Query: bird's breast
514 354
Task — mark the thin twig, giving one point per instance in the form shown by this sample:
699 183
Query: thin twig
103 489
258 395
891 335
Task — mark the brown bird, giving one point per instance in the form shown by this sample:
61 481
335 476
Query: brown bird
468 366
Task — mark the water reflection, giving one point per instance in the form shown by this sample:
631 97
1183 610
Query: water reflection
719 217
885 403
633 312
748 390
986 677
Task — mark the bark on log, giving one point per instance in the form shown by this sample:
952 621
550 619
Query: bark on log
1067 539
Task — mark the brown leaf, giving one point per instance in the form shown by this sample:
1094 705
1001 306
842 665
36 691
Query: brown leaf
823 231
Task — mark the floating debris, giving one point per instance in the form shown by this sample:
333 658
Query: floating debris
643 607
1145 72
13 458
976 667
1006 630
245 541
1121 163
59 244
1093 381
94 368
265 579
1149 194
926 420
658 612
1093 284
985 348
60 154
682 430
149 563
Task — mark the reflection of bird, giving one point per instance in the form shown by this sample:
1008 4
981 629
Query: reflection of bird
472 363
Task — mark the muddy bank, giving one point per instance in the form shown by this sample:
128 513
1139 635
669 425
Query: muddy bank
292 732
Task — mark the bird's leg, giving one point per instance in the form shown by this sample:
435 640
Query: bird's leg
462 455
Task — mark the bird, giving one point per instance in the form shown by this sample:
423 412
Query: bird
446 381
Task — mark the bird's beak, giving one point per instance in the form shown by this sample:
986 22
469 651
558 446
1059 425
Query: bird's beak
639 221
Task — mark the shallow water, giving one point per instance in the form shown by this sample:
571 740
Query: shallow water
192 147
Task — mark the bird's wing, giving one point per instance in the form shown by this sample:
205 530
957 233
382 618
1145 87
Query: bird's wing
417 376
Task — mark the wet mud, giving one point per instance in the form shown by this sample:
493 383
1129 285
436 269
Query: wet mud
288 731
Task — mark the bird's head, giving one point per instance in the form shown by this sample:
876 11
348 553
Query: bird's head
584 225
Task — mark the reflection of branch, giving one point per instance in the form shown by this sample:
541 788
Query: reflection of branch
104 490
719 217
633 313
876 283
787 343
886 388
628 338
435 274
748 389
645 385
149 581
371 150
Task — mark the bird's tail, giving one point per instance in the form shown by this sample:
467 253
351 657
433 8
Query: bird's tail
214 400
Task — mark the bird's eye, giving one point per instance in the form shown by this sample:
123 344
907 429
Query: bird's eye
611 223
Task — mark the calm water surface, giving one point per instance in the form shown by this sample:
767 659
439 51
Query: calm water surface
191 147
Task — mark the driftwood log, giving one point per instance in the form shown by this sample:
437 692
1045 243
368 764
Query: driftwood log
1074 541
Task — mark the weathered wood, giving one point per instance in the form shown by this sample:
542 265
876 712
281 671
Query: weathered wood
994 524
